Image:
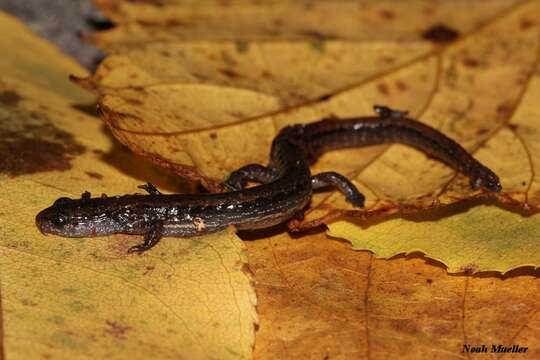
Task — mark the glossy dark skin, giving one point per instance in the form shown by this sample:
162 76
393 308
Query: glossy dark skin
285 190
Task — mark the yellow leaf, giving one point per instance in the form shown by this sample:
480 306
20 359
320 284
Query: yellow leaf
144 22
482 238
28 58
87 298
289 72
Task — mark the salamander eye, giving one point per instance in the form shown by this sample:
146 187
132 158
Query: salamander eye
59 219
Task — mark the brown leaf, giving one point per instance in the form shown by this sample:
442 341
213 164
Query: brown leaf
317 299
151 21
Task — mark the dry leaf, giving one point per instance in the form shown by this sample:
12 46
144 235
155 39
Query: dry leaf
150 21
86 298
318 299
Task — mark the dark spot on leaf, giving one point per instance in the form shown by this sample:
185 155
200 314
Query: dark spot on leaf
388 59
387 14
512 127
134 101
383 88
229 73
523 183
32 144
526 24
428 10
469 62
9 98
440 34
149 269
429 281
401 86
213 136
482 131
116 330
94 175
265 74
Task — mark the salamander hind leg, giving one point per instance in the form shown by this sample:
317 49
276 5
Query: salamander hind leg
340 182
151 238
238 179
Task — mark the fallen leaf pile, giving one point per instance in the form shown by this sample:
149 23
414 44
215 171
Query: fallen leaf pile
201 89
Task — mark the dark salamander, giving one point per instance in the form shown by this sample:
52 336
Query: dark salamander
285 190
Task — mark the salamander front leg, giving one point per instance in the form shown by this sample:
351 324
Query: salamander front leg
238 179
340 182
149 188
151 238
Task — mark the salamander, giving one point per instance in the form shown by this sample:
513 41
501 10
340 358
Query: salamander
284 190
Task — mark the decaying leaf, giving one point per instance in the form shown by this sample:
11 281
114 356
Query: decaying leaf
86 298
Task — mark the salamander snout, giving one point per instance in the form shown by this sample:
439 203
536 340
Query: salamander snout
50 221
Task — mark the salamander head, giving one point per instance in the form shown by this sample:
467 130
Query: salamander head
74 218
484 177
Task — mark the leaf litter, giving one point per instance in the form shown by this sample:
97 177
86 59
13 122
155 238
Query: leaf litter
405 300
455 74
